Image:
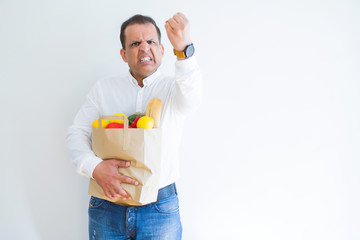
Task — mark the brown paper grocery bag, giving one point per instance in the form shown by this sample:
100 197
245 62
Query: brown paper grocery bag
142 147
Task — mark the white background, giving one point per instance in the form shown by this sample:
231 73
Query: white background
272 154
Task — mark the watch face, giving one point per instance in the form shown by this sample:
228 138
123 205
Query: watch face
189 51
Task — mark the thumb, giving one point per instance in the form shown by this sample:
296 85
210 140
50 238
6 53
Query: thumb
122 163
168 28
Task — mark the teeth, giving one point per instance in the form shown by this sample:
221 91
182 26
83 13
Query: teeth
145 59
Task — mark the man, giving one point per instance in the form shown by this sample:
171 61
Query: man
181 94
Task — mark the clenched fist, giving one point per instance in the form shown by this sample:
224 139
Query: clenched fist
178 31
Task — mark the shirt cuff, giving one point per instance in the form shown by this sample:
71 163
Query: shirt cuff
187 65
90 165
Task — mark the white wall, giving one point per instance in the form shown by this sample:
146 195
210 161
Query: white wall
272 154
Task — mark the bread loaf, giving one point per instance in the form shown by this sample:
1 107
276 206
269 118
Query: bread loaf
153 110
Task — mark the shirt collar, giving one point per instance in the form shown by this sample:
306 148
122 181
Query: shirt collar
146 81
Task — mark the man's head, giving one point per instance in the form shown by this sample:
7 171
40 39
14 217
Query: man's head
141 46
137 19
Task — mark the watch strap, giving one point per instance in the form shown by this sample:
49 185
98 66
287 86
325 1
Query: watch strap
186 53
180 54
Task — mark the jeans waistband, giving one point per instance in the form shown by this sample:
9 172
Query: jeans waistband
166 191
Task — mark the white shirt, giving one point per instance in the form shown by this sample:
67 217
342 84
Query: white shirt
180 95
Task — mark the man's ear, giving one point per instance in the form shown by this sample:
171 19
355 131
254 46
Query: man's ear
122 53
162 49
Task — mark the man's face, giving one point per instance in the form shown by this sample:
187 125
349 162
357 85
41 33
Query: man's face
143 51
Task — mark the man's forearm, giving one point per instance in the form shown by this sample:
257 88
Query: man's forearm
188 80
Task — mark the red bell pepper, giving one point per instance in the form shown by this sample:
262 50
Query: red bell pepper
133 125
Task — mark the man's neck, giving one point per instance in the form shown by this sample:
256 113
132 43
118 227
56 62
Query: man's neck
140 79
140 82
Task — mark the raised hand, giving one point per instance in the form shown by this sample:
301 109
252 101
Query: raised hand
178 31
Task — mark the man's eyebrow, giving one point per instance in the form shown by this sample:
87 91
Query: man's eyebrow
140 41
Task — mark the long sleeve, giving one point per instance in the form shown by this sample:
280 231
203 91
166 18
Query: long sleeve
181 94
78 137
188 85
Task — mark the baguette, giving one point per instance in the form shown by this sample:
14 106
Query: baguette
153 110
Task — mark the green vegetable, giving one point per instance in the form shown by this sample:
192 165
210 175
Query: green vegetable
133 117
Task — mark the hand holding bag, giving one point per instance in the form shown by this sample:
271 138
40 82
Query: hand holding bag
142 147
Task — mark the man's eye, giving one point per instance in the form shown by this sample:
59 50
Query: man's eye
151 42
135 44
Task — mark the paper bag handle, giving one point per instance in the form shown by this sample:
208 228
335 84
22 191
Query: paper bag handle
126 126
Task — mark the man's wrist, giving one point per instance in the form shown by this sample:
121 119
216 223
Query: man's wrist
180 59
95 161
187 52
181 47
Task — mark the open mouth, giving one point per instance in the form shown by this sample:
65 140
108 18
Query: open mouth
145 59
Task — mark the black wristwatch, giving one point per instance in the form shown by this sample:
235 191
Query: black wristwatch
186 53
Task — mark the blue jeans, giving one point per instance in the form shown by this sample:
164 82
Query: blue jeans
160 220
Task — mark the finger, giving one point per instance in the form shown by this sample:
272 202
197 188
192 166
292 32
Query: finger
117 192
167 26
182 16
170 28
126 179
122 163
111 194
121 193
181 19
173 24
177 18
178 22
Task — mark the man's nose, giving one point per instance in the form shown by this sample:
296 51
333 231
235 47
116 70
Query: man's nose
144 46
